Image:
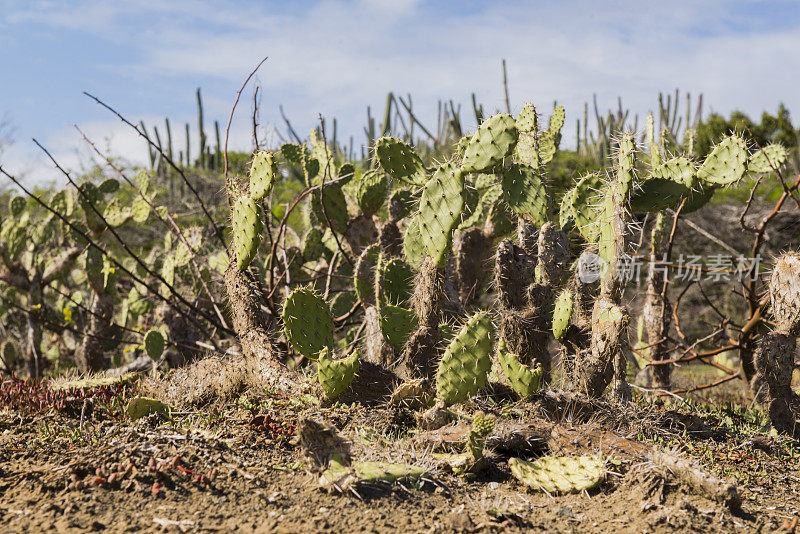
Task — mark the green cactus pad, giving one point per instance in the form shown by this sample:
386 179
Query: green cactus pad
579 207
340 477
562 314
413 249
524 192
247 228
526 382
263 172
401 203
293 153
667 184
763 161
364 277
371 191
307 322
313 247
333 199
491 144
559 474
551 138
527 119
335 375
16 205
109 186
698 197
154 344
397 325
440 211
482 426
726 163
342 303
466 361
400 161
397 280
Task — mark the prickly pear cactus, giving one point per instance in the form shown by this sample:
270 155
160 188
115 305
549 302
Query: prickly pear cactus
397 281
330 201
335 375
579 207
667 184
263 172
154 344
551 138
371 191
440 211
307 322
494 141
413 249
726 163
482 426
559 474
397 325
466 362
527 149
247 230
400 161
313 246
524 192
525 381
769 159
562 313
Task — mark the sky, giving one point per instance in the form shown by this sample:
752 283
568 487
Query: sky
335 57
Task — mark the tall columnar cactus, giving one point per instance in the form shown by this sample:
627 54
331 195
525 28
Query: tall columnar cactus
774 360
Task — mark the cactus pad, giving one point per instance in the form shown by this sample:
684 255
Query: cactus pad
313 247
466 362
400 161
562 314
491 144
154 344
524 192
413 249
482 426
401 203
559 474
578 207
335 375
440 211
764 160
397 281
397 325
726 163
371 191
307 322
247 230
526 382
263 172
16 206
667 185
335 206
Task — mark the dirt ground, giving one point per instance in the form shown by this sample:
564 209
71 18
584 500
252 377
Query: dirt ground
71 465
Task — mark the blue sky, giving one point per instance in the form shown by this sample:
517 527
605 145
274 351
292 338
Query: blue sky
335 57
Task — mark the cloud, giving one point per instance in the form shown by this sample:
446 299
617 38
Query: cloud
336 57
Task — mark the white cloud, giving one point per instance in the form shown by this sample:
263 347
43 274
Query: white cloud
335 57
